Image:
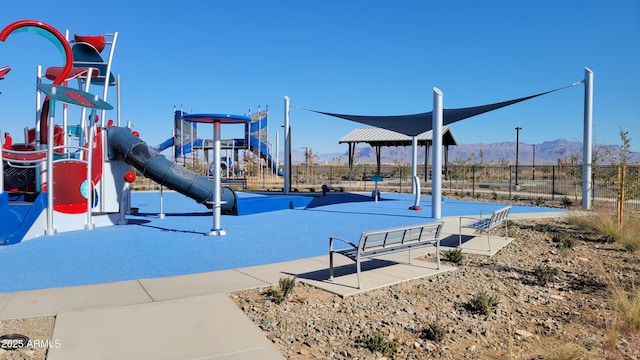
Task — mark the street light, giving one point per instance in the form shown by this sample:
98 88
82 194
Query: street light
517 149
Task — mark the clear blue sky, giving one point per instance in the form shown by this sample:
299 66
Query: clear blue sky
353 57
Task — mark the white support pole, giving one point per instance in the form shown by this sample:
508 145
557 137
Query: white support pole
414 161
107 76
415 182
122 219
287 147
588 139
65 124
436 172
216 230
259 143
118 99
89 224
83 112
36 130
161 213
50 132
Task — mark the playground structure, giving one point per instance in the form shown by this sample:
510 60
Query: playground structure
75 176
185 140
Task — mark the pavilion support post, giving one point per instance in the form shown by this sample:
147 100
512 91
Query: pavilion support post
426 162
378 154
446 160
436 173
352 154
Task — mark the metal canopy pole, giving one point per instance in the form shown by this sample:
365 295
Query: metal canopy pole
414 160
287 147
436 171
216 229
588 138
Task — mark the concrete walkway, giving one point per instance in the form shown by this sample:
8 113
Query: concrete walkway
192 316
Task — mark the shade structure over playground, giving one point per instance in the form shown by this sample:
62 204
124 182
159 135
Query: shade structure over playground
222 118
216 120
415 124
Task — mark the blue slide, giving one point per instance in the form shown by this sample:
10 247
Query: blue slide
256 144
125 146
16 217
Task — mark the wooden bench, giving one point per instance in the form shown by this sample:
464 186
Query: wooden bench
388 241
484 223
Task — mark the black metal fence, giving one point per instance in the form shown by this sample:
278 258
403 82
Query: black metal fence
540 184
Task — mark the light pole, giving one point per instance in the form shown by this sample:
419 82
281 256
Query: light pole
517 150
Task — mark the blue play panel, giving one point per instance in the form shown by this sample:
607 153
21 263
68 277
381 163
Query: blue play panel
278 228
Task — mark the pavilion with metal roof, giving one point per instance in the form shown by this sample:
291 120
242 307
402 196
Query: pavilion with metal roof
378 137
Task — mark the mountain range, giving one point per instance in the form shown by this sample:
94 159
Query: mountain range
546 153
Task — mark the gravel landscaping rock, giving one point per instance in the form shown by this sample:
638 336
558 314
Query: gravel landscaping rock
568 317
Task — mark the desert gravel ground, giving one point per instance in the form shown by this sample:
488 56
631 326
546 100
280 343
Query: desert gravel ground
569 317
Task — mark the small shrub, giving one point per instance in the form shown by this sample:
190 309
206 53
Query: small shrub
286 288
516 198
483 303
544 274
539 201
287 285
376 342
276 296
544 227
566 202
563 240
453 256
477 195
494 195
434 332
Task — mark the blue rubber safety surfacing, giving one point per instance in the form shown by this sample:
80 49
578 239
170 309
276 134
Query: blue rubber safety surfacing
149 247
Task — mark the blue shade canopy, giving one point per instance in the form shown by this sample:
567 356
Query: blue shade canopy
74 96
211 118
413 125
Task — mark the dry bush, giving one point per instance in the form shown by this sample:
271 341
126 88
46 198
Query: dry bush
605 224
566 351
626 302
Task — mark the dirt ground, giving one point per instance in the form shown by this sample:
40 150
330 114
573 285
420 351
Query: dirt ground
565 315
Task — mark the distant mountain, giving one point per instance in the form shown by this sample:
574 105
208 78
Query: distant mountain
547 153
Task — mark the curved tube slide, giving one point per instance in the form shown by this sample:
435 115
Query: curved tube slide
123 145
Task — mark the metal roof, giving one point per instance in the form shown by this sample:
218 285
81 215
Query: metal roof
384 137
